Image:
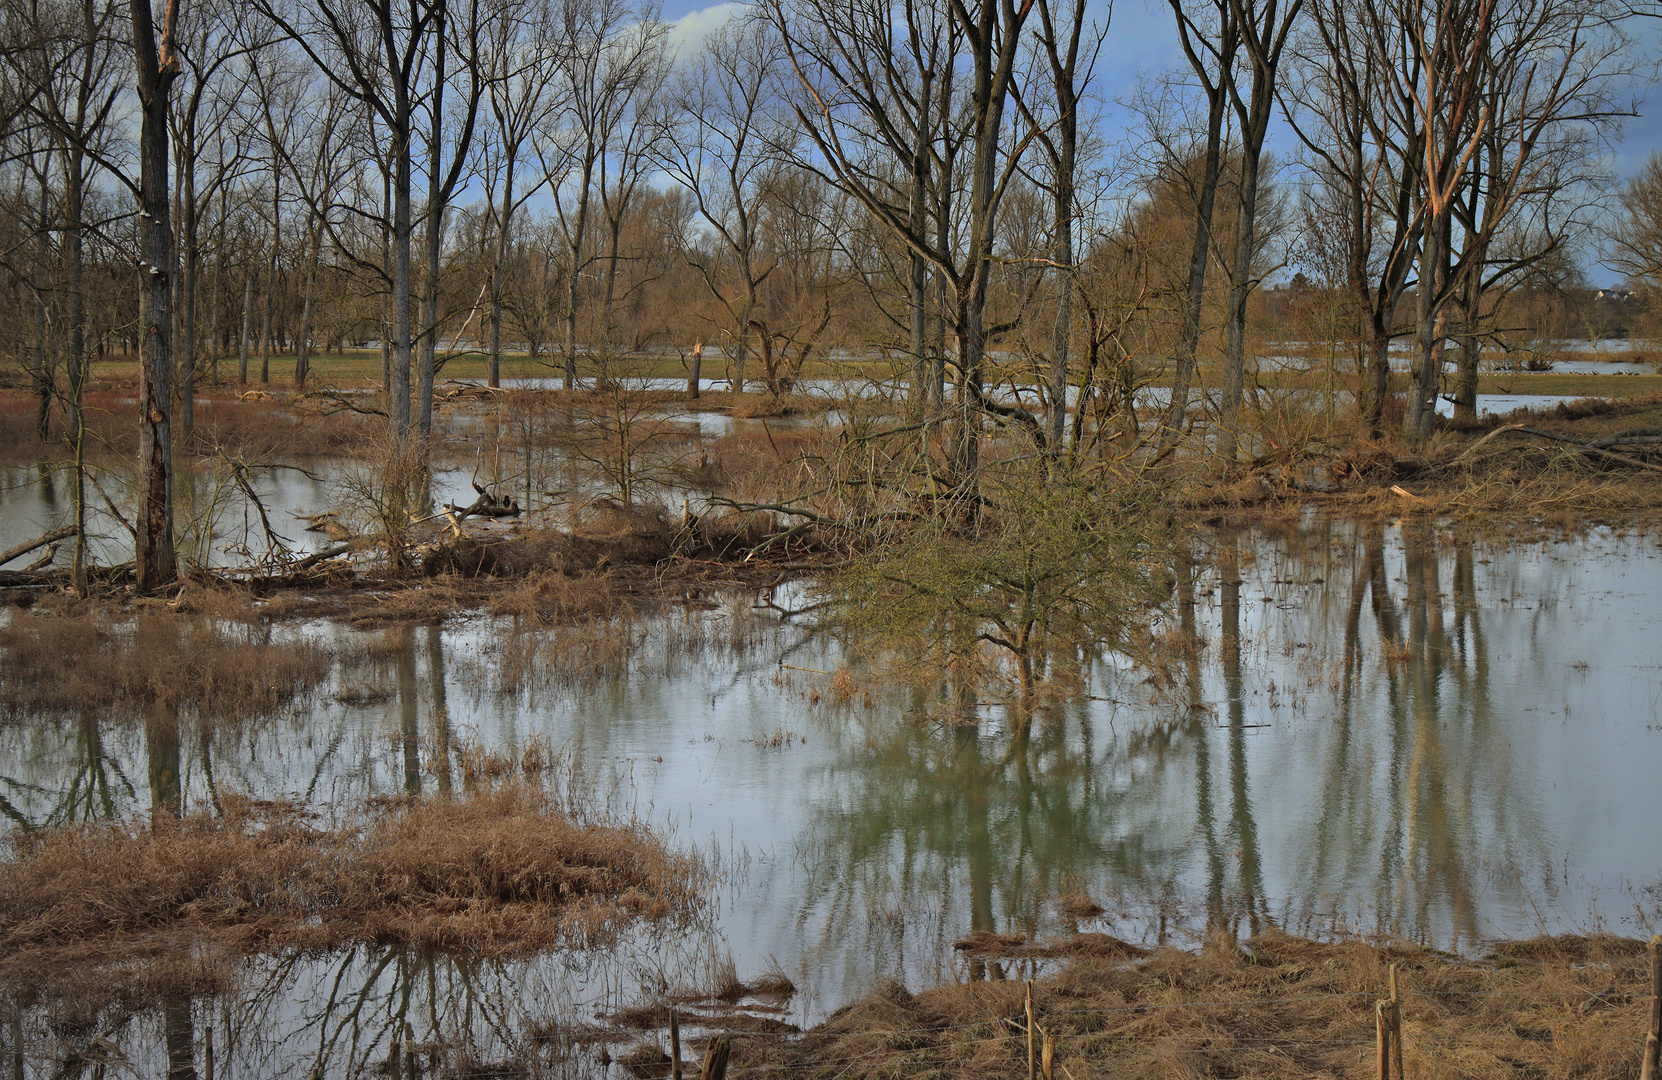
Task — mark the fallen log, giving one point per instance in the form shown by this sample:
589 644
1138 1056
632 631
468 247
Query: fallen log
1594 451
1591 449
30 579
38 542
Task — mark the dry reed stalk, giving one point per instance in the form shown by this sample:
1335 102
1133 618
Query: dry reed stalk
1277 1007
506 872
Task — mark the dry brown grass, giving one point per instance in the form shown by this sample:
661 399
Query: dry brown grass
83 664
1280 1008
1509 481
254 429
506 872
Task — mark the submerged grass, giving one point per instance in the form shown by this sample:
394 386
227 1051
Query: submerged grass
506 872
86 664
1282 1007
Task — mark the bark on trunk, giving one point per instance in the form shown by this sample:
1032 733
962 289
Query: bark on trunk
1240 287
154 561
247 325
1200 253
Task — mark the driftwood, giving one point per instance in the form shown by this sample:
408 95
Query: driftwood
38 542
1599 448
486 505
51 579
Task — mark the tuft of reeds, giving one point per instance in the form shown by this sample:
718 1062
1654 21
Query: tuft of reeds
505 872
1275 1007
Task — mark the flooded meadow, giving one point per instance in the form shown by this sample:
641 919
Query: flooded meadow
1375 728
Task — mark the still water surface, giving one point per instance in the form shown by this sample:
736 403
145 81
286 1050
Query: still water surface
1384 730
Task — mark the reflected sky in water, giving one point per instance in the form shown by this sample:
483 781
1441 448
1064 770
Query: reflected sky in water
1380 729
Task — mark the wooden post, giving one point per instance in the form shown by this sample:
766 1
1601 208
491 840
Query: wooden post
693 371
1382 1032
1396 1027
674 1045
1652 1068
1032 1030
1047 1062
715 1058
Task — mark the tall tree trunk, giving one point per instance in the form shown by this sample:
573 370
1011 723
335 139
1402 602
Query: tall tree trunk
401 231
1200 253
216 345
247 324
267 330
575 237
1240 288
1470 338
1422 403
74 256
386 268
917 293
434 234
186 293
154 563
42 373
504 234
302 363
1063 274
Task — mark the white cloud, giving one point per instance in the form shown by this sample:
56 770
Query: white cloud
692 28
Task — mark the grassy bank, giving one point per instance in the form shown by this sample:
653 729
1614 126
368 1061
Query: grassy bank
1275 1007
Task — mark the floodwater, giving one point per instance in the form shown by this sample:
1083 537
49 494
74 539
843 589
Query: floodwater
1386 729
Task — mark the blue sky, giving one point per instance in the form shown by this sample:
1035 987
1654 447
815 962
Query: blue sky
1142 43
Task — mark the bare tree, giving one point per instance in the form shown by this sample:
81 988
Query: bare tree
725 151
1211 47
1366 150
157 62
521 60
614 58
210 99
844 103
1264 27
374 51
1068 59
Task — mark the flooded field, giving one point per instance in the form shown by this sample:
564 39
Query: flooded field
1382 729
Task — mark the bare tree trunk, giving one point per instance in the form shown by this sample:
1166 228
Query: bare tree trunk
386 266
266 329
1063 272
1471 342
504 237
186 298
247 324
1200 251
575 237
154 563
74 256
1422 403
214 312
917 296
401 230
302 362
1240 288
42 368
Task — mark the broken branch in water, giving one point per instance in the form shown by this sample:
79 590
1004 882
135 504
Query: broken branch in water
38 542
